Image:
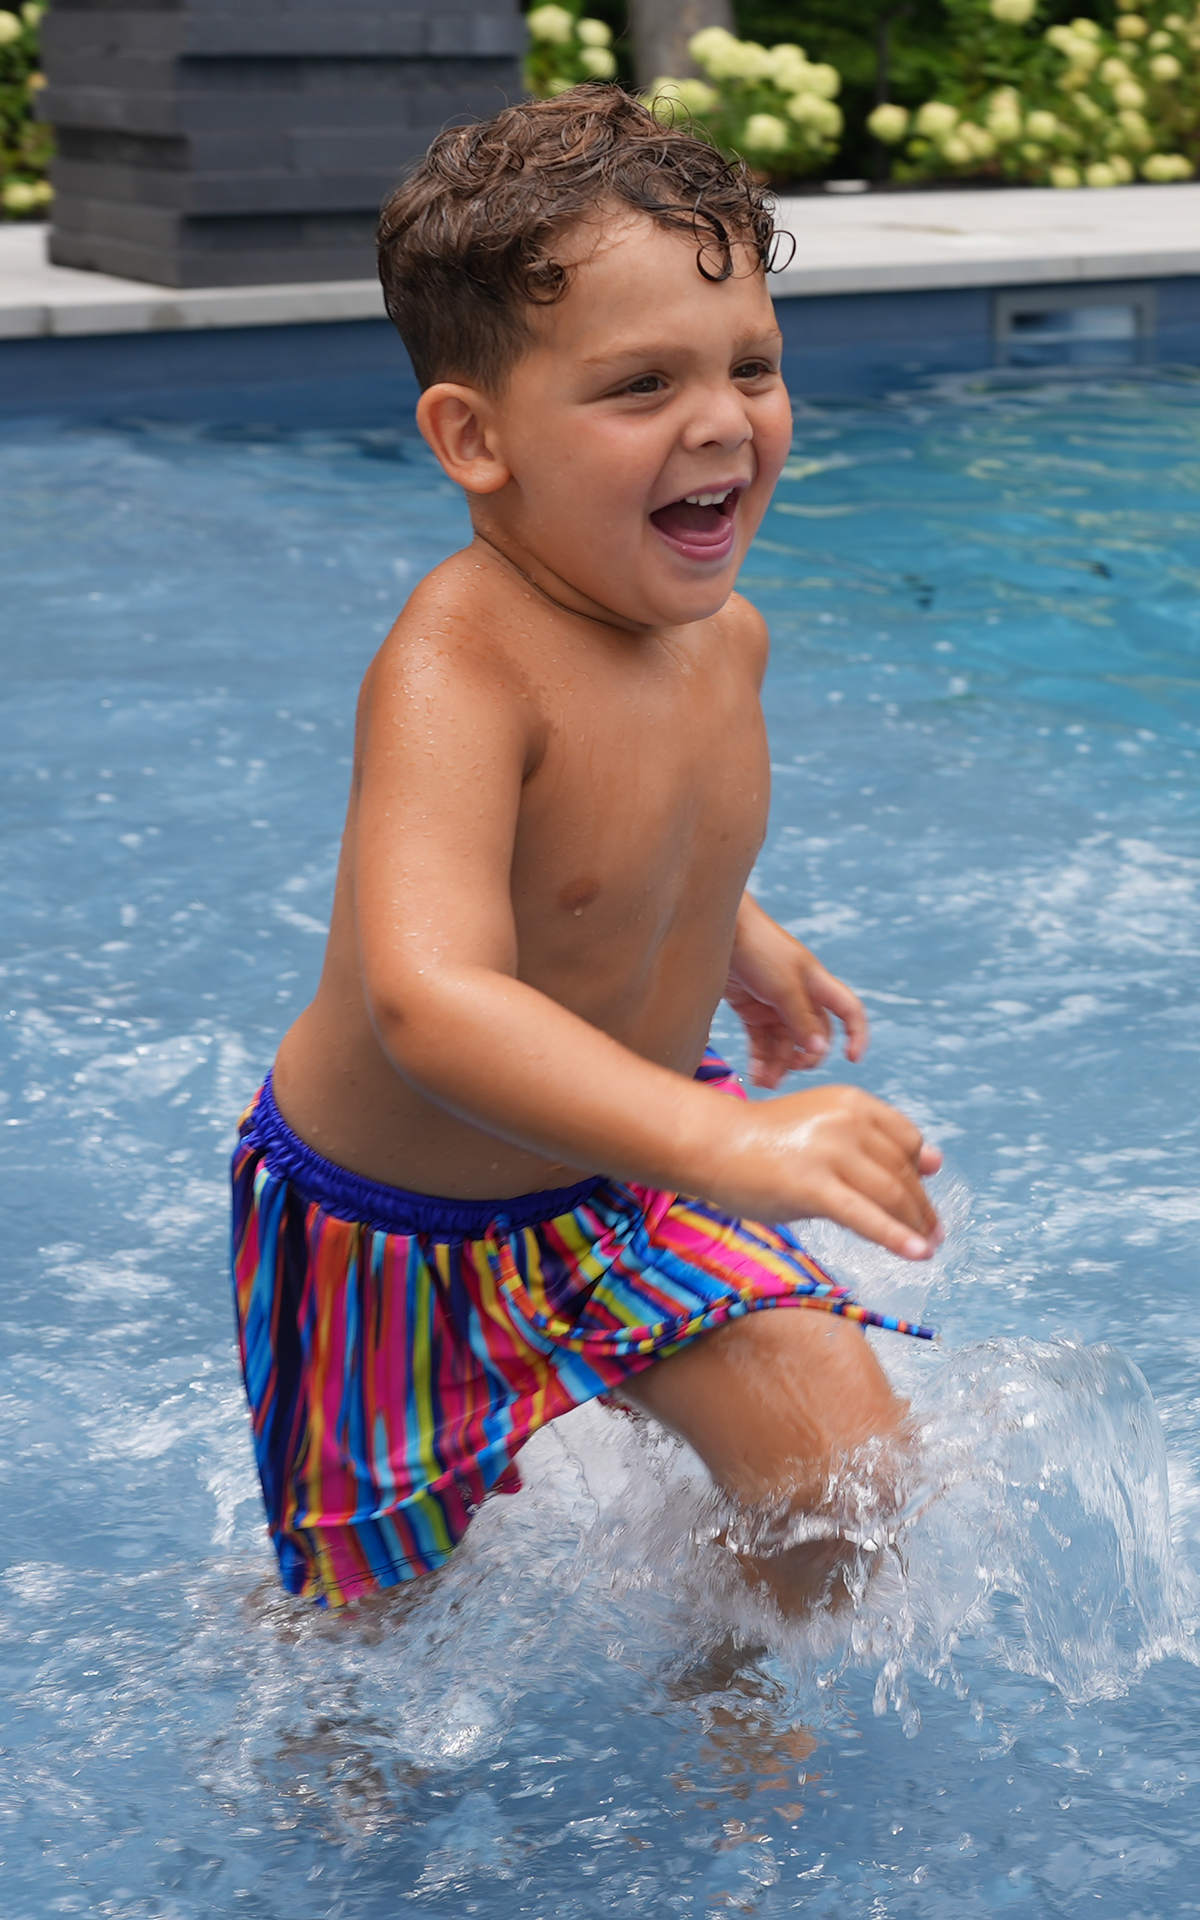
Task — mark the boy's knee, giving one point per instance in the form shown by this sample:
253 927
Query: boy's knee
822 1399
777 1403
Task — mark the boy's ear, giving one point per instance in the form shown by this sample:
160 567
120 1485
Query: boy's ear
458 425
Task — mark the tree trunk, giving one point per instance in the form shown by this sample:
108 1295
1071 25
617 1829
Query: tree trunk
662 29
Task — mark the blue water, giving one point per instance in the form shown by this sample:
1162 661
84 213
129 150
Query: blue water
983 705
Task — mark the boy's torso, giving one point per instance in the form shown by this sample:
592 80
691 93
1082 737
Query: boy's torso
643 808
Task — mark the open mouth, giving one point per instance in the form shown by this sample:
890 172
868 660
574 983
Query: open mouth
701 525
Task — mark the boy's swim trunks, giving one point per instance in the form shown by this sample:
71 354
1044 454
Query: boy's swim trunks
398 1349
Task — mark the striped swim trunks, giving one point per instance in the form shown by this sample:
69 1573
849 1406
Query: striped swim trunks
399 1349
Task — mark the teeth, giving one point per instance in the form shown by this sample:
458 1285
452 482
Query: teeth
707 499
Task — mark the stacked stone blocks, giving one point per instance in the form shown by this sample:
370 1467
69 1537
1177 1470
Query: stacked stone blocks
206 143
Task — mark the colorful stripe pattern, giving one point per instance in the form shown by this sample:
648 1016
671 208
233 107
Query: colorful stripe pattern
394 1376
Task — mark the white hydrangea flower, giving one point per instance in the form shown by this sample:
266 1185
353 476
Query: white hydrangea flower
1064 176
1031 151
710 44
724 57
599 62
22 196
1099 174
1165 67
957 151
667 96
1041 125
1012 13
1085 28
594 33
789 67
1166 166
766 133
552 25
981 143
31 13
823 79
754 62
10 30
696 96
888 123
1121 168
1113 71
1004 114
1128 93
936 119
1081 55
819 115
1131 26
1134 130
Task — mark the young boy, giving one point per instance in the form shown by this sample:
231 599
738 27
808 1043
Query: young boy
495 1172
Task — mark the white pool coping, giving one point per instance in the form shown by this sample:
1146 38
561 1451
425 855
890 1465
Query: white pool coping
845 243
39 299
996 237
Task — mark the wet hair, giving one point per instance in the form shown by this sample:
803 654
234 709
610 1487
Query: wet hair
467 241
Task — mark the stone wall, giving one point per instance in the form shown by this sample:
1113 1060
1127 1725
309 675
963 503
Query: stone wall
238 142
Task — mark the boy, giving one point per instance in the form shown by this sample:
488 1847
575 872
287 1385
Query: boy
463 1200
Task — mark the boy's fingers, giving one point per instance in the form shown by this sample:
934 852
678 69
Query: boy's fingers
903 1197
808 1025
845 1003
898 1128
852 1209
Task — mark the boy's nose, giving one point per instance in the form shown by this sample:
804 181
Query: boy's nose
717 419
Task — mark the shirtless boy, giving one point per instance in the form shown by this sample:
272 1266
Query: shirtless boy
495 1172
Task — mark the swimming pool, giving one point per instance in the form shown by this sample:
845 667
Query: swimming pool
983 704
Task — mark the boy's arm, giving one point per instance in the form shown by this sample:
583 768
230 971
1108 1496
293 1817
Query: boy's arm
784 996
445 754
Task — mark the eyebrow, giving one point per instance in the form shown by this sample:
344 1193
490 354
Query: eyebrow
662 349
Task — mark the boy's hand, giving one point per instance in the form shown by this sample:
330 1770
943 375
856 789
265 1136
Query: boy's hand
784 996
836 1154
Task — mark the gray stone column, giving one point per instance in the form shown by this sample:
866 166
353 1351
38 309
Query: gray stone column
229 142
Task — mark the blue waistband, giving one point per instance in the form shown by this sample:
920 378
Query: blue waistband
369 1203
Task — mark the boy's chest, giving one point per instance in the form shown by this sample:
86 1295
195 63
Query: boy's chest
656 788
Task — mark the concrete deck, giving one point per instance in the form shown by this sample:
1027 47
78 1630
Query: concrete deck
997 237
845 244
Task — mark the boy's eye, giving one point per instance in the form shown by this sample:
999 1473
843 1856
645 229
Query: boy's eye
752 370
645 383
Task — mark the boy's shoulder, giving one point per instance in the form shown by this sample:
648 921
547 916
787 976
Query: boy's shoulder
460 616
472 618
744 629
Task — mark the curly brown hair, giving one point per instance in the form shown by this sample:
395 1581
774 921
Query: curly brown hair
466 242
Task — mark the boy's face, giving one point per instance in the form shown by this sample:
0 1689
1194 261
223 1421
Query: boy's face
643 432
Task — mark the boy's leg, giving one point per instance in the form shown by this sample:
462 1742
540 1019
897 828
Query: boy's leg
774 1403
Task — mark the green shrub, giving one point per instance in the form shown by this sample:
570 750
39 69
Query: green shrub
1079 104
565 49
25 145
773 106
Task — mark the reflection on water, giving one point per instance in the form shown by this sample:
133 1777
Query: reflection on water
983 712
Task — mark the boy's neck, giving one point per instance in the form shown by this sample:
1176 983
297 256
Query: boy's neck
548 585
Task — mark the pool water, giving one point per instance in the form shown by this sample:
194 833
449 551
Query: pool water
983 705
